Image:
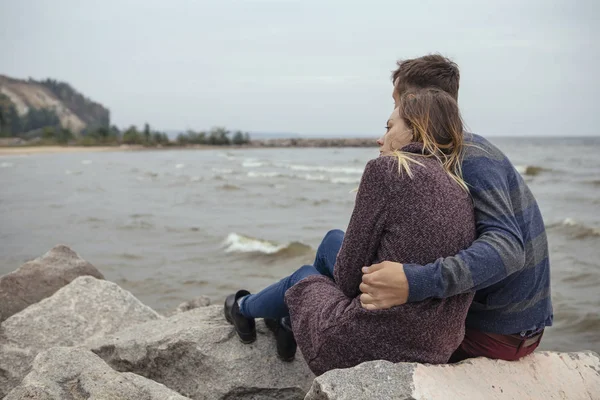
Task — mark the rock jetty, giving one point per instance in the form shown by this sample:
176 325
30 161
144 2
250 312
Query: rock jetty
87 338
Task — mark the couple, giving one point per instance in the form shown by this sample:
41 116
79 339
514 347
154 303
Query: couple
445 257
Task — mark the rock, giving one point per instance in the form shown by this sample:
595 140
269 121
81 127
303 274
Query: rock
543 375
70 373
200 301
40 278
198 354
86 308
15 362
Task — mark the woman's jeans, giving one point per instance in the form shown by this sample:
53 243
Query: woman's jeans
270 302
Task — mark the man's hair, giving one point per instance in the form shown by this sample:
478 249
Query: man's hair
433 70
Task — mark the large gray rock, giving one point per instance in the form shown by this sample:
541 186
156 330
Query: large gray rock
40 278
196 302
544 375
198 354
69 373
86 308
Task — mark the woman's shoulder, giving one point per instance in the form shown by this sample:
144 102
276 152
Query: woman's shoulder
389 165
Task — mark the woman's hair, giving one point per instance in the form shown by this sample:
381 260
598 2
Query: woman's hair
434 119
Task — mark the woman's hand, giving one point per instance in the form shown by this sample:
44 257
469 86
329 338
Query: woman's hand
383 286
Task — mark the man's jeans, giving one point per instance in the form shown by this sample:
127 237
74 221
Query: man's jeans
270 302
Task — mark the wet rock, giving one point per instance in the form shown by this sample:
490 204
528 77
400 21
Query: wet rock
544 375
198 354
70 373
40 278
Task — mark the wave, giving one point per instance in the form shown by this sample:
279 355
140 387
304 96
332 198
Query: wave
254 164
229 186
222 170
595 182
305 177
530 170
346 180
574 229
320 168
255 174
6 165
236 243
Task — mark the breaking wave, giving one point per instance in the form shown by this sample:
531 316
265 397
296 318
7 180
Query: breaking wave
319 168
574 229
236 243
305 177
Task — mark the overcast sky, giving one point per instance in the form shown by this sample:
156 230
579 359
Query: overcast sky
529 67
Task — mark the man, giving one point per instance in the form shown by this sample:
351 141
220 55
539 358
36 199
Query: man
508 264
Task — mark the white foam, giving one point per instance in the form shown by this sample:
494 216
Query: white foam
570 222
254 174
321 168
235 243
222 170
310 177
345 180
253 164
6 165
86 162
179 166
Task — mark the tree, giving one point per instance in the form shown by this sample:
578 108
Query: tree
219 136
132 136
147 133
238 138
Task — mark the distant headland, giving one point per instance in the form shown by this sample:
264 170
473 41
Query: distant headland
53 115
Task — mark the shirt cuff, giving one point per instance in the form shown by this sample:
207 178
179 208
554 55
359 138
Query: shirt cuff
418 282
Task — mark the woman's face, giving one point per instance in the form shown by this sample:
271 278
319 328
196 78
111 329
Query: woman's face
397 134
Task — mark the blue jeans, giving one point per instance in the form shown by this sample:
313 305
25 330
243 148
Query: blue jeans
270 302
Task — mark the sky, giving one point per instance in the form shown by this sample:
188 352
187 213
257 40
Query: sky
311 67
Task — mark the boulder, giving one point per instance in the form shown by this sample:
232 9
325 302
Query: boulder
198 354
70 373
86 308
197 302
543 375
40 278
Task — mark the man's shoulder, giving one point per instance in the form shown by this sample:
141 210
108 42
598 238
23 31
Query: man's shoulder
476 146
485 165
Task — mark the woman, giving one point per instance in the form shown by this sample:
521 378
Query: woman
412 206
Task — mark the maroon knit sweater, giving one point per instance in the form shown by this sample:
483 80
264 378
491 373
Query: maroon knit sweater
395 218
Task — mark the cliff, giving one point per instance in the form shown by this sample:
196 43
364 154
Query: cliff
29 105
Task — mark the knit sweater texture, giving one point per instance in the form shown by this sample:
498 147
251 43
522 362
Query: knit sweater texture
397 218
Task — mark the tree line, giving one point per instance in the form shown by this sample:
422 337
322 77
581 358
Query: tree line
43 126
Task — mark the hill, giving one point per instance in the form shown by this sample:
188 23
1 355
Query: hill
27 106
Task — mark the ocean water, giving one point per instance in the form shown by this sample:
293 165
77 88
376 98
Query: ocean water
173 224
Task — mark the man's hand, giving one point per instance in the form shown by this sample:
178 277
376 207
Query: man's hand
383 286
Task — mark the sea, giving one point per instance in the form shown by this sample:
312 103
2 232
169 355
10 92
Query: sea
170 225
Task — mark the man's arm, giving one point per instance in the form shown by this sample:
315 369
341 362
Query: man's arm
362 237
498 252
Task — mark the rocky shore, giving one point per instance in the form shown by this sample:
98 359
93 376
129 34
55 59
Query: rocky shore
67 333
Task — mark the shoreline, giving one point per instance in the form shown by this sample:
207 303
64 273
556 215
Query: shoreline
273 143
33 150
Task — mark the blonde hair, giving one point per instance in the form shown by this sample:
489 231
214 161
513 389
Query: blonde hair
434 119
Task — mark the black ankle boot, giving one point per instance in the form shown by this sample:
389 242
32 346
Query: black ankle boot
286 343
244 327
